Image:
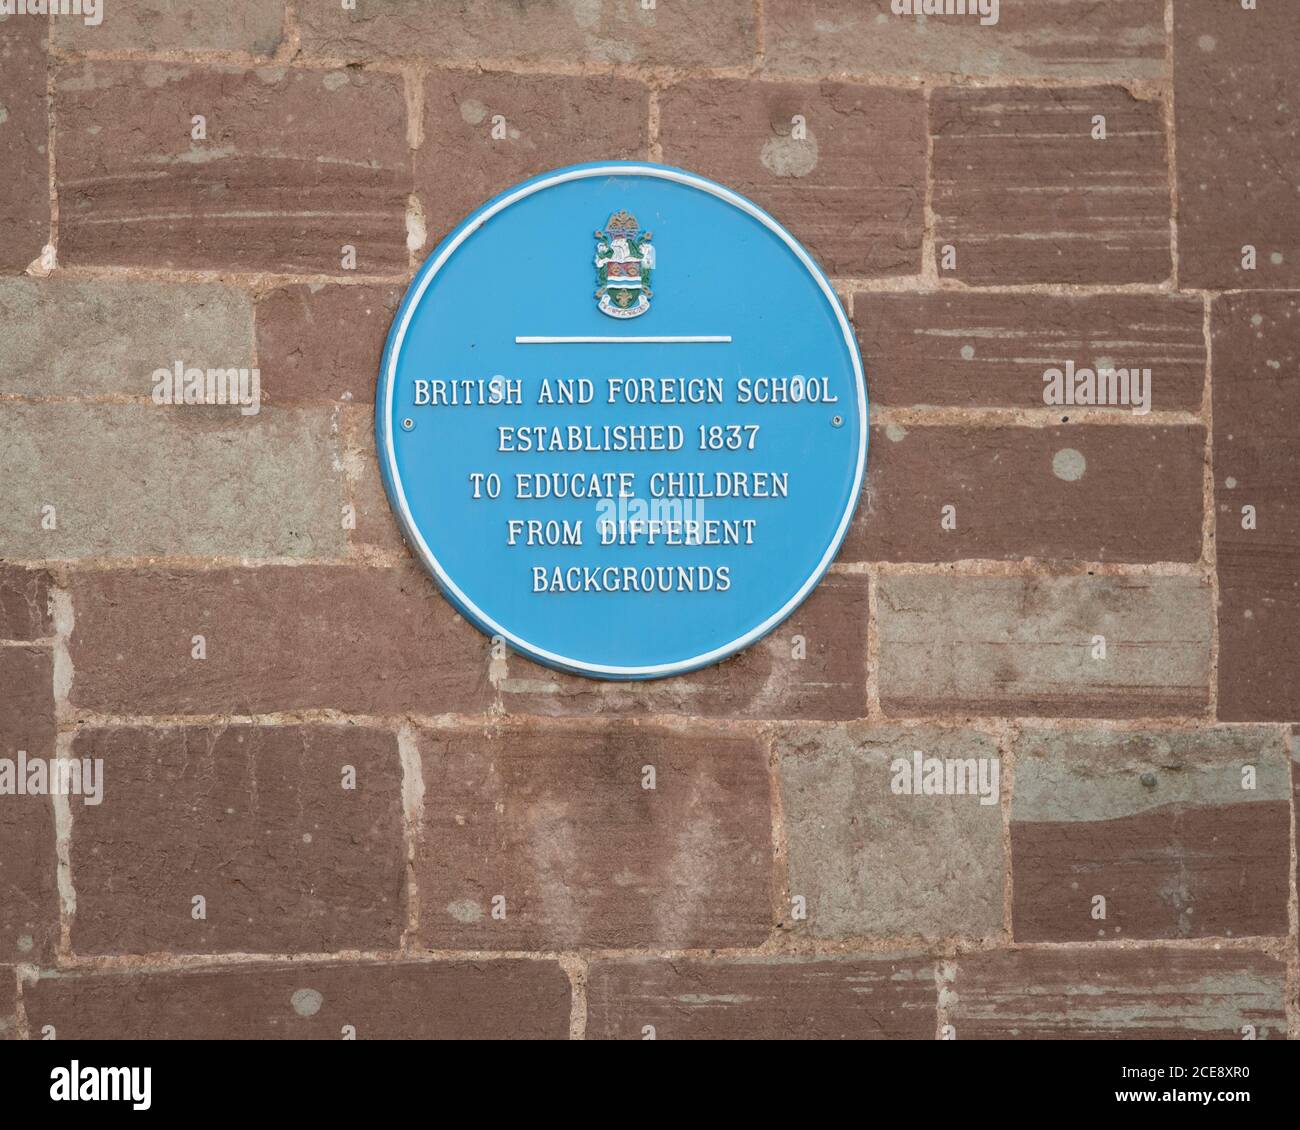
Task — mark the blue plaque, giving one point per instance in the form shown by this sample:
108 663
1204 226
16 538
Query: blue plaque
622 420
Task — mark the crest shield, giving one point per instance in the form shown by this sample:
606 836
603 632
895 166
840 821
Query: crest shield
625 259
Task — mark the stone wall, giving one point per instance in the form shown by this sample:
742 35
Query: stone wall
219 605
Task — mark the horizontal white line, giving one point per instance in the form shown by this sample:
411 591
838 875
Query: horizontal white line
723 338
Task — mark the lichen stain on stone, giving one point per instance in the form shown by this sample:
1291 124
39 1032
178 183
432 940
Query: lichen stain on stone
786 157
306 1002
466 911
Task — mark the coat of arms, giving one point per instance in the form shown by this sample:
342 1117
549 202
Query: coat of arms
625 258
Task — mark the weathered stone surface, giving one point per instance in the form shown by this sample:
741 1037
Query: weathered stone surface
1256 343
814 666
1295 792
254 819
1235 91
323 343
872 861
1115 39
24 142
29 898
252 26
681 33
101 337
549 121
1025 645
402 1000
296 165
29 907
135 479
526 783
24 604
762 998
1091 493
1114 994
557 823
1024 194
27 708
977 350
852 192
364 640
377 523
8 1003
1160 824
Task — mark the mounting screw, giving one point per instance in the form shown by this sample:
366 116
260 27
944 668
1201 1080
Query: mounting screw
837 421
408 424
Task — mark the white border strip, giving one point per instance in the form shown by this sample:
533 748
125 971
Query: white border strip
620 340
390 379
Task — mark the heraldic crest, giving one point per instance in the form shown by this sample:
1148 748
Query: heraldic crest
625 259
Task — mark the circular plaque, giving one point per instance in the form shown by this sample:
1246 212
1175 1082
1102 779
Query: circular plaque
622 420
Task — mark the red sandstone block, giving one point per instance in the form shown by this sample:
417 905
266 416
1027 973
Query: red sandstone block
814 666
1091 493
364 640
1235 90
297 165
376 523
852 191
29 906
543 837
323 343
762 998
24 604
979 350
401 1000
24 142
484 133
1256 343
1024 194
1113 994
290 835
8 1003
1156 834
27 705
